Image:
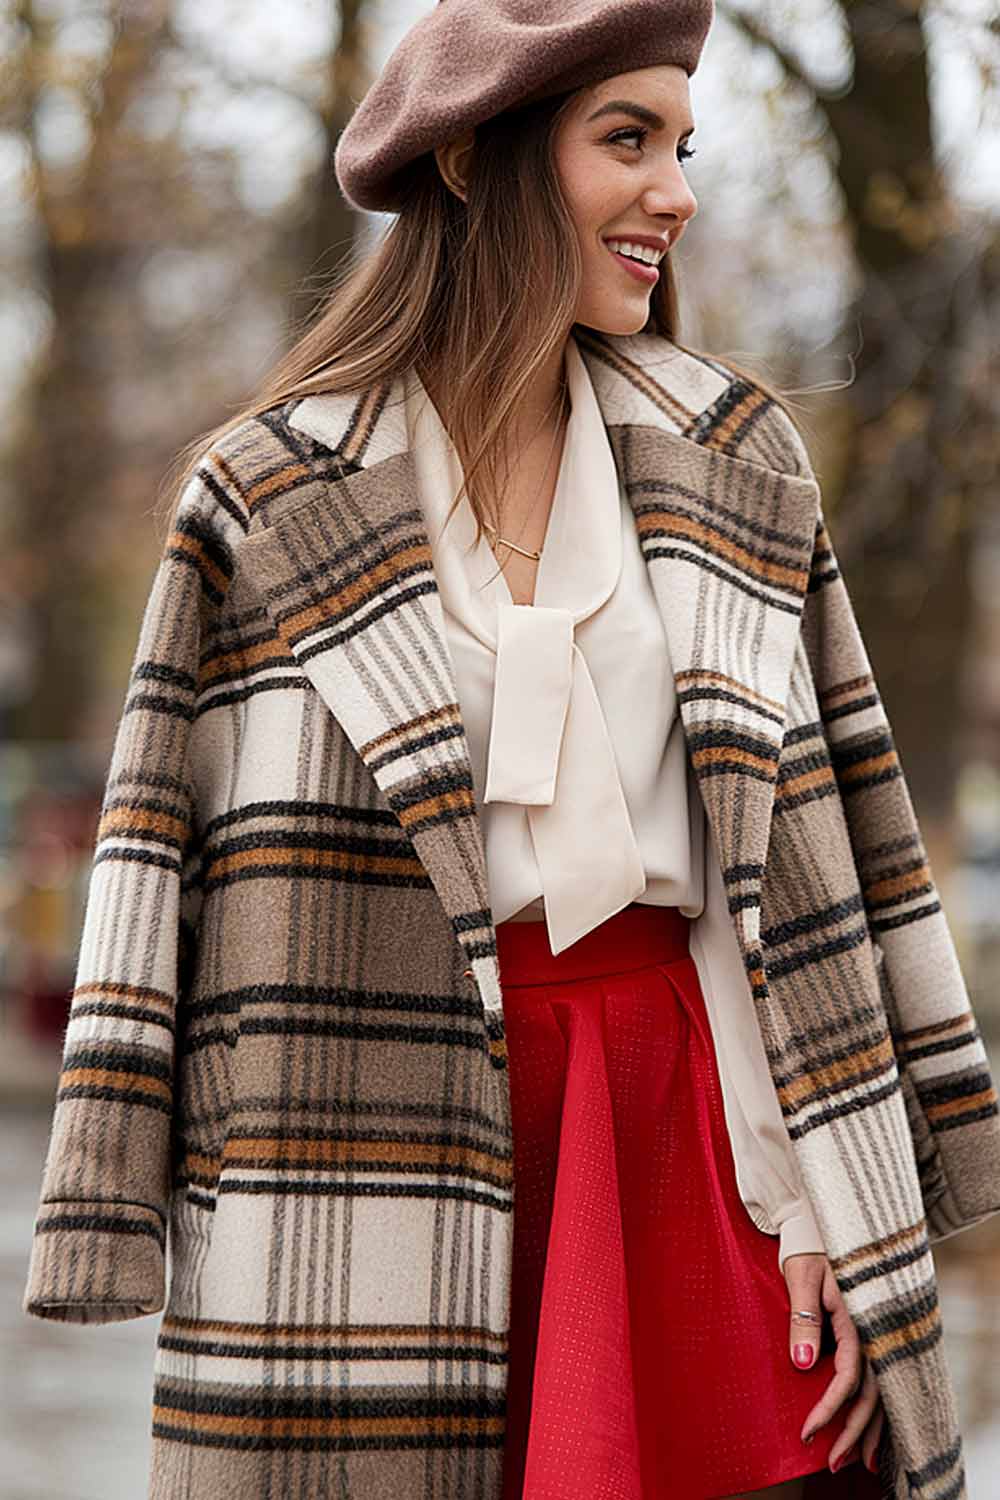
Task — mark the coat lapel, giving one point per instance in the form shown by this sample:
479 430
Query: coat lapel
345 568
727 516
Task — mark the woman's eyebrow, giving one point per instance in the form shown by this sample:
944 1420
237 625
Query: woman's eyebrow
639 111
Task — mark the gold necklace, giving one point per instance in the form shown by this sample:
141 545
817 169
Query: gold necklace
505 541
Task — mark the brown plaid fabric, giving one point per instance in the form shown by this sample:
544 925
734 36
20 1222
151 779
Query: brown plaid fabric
286 1039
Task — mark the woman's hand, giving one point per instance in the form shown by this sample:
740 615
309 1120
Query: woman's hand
812 1287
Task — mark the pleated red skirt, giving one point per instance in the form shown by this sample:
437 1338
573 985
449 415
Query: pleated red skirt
649 1318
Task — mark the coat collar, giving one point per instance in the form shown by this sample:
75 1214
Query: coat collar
726 515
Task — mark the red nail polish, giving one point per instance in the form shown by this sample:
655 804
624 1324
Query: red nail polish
845 1458
803 1355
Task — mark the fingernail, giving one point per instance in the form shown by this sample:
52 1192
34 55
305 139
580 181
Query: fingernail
809 1438
803 1355
873 1465
837 1463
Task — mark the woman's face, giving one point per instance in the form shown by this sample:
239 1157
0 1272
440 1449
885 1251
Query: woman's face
618 153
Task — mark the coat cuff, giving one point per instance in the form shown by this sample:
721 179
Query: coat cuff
96 1263
799 1234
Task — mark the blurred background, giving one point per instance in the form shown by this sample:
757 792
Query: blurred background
168 216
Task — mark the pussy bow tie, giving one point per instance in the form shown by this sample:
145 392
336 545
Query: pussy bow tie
550 750
549 747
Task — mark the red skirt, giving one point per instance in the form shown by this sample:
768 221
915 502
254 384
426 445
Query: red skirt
649 1339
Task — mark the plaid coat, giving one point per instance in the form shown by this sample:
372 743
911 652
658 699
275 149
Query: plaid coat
286 1040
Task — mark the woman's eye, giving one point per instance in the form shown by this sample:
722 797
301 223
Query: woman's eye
640 132
637 130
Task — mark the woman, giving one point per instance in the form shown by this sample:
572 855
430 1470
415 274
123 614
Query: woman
578 860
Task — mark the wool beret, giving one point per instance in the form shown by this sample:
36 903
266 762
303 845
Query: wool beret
468 60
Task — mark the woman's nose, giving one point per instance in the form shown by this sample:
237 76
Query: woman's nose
675 202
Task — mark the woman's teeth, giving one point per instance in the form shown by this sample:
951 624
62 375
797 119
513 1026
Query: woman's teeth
644 253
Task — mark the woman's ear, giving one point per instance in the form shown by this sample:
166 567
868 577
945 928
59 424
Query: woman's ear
454 162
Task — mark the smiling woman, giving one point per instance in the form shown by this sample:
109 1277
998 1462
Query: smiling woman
617 204
519 1000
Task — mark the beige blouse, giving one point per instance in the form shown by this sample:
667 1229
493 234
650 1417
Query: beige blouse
585 791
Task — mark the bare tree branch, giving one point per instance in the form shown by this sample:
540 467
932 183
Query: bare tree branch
761 37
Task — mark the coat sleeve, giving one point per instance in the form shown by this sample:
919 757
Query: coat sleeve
97 1252
950 1097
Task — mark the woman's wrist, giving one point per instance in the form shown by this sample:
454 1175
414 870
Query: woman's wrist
799 1234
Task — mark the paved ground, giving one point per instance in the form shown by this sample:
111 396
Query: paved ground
74 1402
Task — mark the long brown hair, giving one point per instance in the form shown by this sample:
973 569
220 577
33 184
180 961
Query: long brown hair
483 289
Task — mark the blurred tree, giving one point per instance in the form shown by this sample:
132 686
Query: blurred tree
167 251
919 460
333 223
67 454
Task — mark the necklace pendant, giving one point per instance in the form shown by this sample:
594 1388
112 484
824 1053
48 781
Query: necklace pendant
524 551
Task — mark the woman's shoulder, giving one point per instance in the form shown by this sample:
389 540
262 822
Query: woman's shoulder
270 459
649 379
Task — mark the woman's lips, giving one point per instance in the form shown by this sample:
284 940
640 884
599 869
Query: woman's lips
648 275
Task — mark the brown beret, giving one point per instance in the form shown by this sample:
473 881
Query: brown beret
467 60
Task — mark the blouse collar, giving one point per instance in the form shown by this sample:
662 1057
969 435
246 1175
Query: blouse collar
582 553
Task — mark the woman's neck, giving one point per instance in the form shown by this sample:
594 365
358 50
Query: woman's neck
539 412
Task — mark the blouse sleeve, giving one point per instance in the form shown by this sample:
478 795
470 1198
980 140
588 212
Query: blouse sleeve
767 1171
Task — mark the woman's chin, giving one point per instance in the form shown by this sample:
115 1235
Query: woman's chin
623 320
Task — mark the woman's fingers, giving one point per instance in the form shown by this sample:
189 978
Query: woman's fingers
843 1385
847 1361
812 1286
858 1417
871 1436
804 1277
